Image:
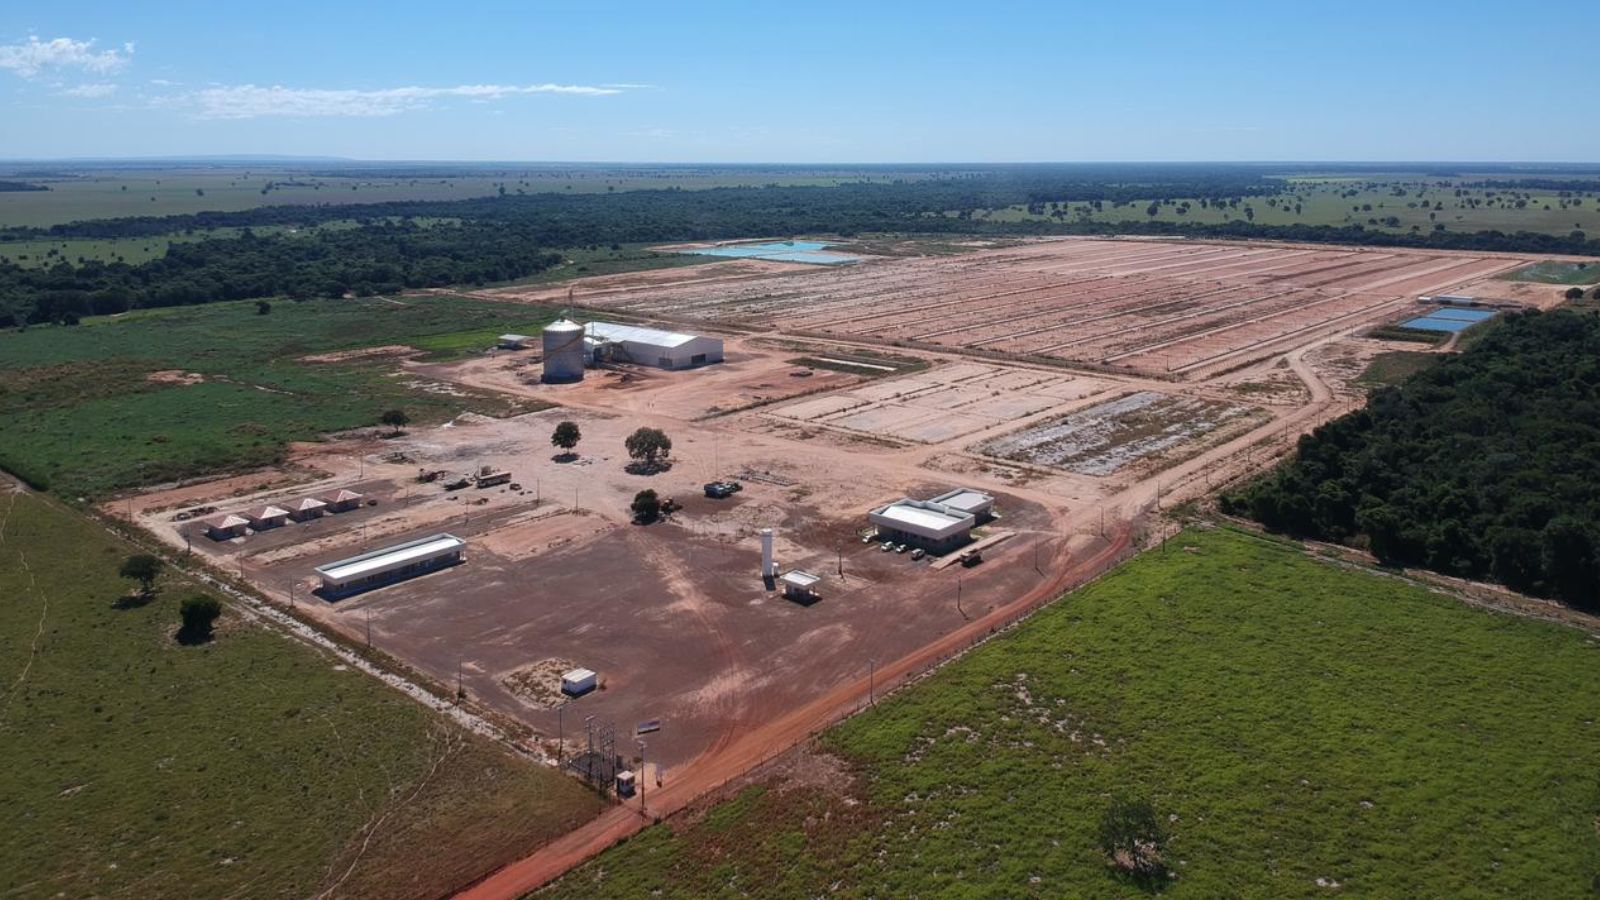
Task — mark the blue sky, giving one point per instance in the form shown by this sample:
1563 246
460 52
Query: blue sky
804 82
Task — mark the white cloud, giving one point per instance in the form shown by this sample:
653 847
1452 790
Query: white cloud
34 56
90 90
249 101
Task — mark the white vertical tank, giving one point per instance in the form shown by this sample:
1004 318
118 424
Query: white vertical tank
769 569
563 351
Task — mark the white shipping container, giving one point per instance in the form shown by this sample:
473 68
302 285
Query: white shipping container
578 681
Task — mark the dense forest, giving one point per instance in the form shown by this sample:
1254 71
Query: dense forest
1485 466
510 236
379 258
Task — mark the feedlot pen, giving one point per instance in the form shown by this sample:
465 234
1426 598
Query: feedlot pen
1142 306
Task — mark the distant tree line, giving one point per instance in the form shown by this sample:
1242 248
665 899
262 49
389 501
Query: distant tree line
1483 466
492 239
11 187
379 258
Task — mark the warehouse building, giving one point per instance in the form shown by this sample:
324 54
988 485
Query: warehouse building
976 503
609 342
389 565
938 525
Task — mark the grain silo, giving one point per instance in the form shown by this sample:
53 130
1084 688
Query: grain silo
563 351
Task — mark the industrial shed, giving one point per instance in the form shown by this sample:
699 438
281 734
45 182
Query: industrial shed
975 503
934 527
605 341
390 564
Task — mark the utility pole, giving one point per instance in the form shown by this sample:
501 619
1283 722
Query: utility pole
872 675
561 732
958 596
838 548
458 680
640 780
369 629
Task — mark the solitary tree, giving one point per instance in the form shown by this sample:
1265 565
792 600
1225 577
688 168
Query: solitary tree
1131 837
199 614
263 307
566 436
143 568
1575 293
395 418
646 506
649 446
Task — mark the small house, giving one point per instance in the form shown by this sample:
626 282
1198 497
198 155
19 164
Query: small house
226 527
269 516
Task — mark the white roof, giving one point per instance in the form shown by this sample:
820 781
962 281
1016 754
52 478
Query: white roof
964 499
267 512
928 519
343 495
578 675
561 325
308 503
800 579
638 334
514 337
389 558
231 520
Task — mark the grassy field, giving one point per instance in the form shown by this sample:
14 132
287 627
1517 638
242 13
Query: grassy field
84 410
43 253
1557 273
251 765
1328 202
1289 720
1396 366
109 193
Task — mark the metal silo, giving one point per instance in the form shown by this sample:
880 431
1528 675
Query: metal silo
563 351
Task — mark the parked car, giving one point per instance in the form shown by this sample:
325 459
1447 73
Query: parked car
887 546
918 553
901 548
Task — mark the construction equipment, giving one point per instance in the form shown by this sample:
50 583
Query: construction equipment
720 489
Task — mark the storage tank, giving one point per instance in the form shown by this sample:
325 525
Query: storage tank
563 351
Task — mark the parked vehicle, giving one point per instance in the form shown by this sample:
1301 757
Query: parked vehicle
918 554
887 546
901 548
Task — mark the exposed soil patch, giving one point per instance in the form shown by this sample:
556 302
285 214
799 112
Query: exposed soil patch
175 376
363 353
539 684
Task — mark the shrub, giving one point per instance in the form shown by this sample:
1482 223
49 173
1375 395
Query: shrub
199 613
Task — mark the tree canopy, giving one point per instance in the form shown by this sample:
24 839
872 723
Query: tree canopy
1483 466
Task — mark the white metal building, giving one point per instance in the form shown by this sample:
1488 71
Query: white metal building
800 586
391 564
514 341
976 503
579 681
932 526
649 346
